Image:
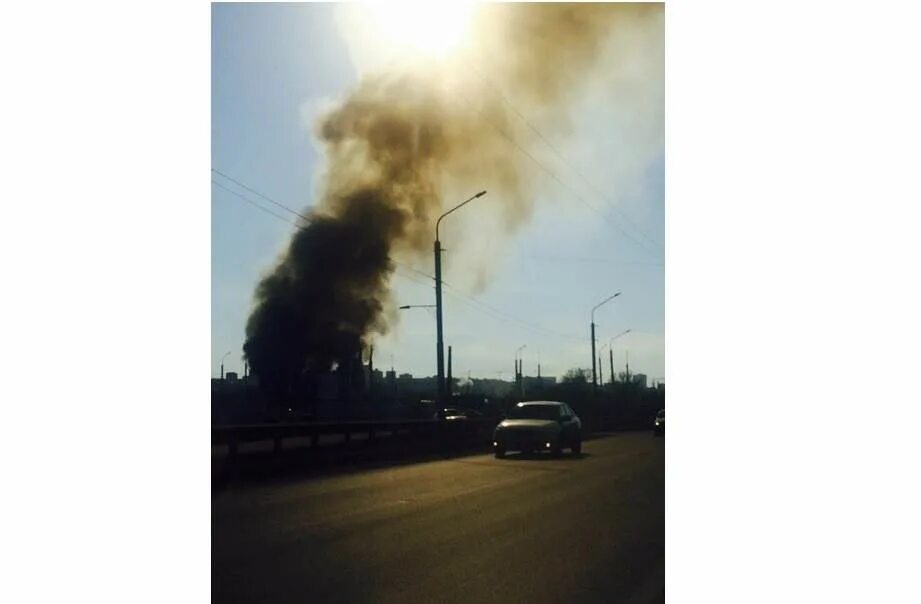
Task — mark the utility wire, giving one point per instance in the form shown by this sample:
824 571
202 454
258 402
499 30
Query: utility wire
265 197
559 180
588 259
484 307
469 300
253 203
304 218
606 218
562 158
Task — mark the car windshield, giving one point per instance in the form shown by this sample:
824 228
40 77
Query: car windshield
535 412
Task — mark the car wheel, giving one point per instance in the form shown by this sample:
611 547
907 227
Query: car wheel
577 447
556 450
500 452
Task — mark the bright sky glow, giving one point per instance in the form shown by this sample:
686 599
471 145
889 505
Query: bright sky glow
429 27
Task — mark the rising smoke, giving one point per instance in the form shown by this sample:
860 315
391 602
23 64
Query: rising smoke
405 144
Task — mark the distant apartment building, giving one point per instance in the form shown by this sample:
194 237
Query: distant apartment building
640 379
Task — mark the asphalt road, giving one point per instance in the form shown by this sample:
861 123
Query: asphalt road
470 529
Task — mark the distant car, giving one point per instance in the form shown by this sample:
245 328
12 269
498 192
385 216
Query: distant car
453 414
539 426
659 429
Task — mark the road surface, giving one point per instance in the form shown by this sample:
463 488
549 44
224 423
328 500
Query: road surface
470 529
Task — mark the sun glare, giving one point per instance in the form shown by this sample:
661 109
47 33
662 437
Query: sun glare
431 27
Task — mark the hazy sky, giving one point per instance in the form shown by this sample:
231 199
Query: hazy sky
275 67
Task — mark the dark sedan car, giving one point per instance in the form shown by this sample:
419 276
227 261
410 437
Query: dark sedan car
539 426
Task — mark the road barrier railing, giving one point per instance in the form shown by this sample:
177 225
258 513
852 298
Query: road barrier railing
444 432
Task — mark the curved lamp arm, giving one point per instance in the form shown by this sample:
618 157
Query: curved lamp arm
438 222
601 303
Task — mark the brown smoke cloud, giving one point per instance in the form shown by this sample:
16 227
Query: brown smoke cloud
402 147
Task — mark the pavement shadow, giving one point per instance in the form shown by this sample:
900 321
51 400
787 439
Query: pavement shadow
306 462
545 456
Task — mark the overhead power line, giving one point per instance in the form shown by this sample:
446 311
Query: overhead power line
563 158
506 316
569 188
657 246
265 197
470 300
252 203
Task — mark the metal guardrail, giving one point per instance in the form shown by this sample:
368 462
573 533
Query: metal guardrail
233 436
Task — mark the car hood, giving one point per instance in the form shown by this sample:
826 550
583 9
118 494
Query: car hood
529 424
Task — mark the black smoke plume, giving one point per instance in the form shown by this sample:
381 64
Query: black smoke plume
395 147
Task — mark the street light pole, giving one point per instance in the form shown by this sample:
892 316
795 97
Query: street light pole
594 370
439 345
601 365
611 343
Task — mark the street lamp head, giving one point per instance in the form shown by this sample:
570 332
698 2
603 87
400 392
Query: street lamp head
602 303
480 194
623 333
404 307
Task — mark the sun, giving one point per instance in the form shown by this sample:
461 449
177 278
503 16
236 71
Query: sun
433 28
